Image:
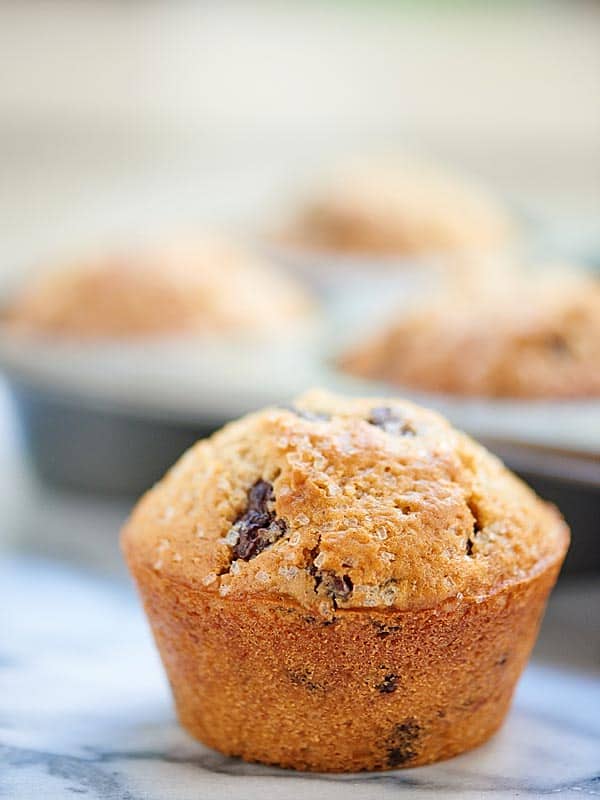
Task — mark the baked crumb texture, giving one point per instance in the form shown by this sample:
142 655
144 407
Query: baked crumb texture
344 584
199 287
400 207
534 339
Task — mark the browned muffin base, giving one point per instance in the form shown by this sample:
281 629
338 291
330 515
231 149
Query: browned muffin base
370 690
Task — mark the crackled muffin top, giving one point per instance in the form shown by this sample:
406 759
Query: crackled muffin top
339 503
201 286
528 338
400 206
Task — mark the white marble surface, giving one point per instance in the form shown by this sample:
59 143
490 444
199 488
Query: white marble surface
85 707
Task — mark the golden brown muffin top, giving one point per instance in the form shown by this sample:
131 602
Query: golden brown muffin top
400 207
529 339
189 287
342 503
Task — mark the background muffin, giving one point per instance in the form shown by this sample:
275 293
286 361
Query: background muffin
400 207
527 338
344 585
203 286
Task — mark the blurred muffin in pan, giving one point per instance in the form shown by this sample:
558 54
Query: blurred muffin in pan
204 286
531 337
399 207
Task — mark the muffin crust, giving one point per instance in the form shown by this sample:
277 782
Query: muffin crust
409 513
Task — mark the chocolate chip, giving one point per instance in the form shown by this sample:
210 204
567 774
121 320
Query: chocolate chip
303 678
389 420
401 744
388 684
472 703
257 527
259 495
502 660
339 587
477 524
558 344
383 630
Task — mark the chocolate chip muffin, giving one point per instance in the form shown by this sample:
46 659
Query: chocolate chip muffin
527 339
399 207
343 585
203 286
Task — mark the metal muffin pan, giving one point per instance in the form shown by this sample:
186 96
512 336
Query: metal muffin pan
81 445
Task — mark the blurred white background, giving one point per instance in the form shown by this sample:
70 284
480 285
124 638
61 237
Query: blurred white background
121 115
